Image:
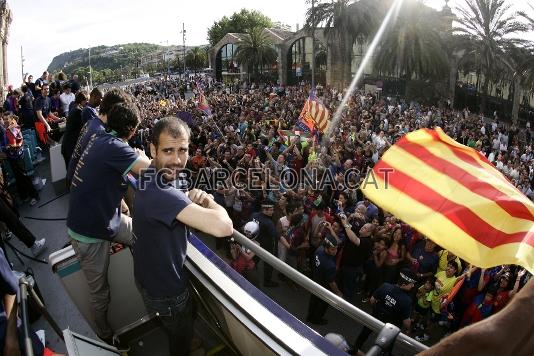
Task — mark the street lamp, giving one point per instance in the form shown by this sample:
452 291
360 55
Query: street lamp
183 46
90 72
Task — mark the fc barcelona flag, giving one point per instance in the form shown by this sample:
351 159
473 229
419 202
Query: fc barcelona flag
456 197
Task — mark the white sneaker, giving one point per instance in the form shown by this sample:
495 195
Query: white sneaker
38 247
33 202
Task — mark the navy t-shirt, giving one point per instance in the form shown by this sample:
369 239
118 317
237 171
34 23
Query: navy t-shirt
95 126
161 245
98 185
428 261
393 305
324 272
89 113
42 104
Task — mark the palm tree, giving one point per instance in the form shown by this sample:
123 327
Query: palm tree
413 48
527 17
345 21
256 51
490 26
519 66
196 58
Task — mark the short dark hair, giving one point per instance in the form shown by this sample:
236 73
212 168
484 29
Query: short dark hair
123 118
96 93
80 97
172 126
111 98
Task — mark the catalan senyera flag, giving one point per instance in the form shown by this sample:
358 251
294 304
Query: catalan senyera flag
315 113
455 196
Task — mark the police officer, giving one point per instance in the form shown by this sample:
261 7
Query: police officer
324 273
266 238
391 304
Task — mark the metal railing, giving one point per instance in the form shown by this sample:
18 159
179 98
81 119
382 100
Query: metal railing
27 294
332 299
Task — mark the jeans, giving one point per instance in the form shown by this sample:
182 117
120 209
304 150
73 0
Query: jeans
25 186
11 219
176 315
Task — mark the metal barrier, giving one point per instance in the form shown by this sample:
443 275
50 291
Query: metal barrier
332 299
27 294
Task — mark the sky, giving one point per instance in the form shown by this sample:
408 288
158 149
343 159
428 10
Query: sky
44 32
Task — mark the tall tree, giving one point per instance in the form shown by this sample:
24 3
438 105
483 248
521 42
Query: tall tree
344 21
255 52
240 22
413 48
196 58
490 25
519 68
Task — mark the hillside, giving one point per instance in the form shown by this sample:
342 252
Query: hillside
108 62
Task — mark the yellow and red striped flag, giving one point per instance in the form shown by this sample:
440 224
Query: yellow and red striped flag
314 111
456 197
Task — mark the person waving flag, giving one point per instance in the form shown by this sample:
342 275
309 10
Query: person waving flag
456 197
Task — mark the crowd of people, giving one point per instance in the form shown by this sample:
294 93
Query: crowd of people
330 232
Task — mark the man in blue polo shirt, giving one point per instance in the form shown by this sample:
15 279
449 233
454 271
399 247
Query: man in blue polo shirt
162 215
95 124
391 304
324 273
94 218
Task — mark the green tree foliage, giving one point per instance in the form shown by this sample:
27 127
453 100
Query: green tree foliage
196 58
490 26
345 21
255 52
413 48
107 62
240 22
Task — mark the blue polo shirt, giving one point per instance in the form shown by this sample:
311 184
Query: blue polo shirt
393 305
89 113
94 126
324 272
161 240
98 185
42 104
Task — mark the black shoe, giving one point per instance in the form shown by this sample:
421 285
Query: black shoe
270 284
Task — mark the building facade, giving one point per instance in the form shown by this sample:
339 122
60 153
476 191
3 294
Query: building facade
164 56
5 23
294 56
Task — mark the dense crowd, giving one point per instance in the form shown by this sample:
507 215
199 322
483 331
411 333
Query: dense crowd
333 233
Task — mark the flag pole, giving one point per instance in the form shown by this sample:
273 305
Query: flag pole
313 47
